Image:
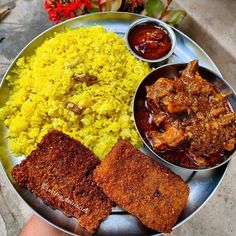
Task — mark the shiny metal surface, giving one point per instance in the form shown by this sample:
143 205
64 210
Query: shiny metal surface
158 23
172 71
202 184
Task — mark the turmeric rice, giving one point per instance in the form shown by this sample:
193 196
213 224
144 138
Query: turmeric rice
42 86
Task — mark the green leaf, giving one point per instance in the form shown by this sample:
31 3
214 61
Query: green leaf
94 5
92 10
154 8
174 17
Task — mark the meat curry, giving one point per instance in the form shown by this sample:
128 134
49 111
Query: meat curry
191 122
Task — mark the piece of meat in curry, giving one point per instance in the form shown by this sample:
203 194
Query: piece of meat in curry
191 118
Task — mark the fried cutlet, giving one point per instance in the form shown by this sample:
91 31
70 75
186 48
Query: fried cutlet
142 186
60 171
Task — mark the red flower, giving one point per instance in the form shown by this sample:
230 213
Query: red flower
135 3
64 9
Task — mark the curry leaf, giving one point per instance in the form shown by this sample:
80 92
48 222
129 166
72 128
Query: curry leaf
174 17
154 8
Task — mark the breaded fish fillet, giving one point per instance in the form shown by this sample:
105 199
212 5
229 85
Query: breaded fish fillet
60 172
142 186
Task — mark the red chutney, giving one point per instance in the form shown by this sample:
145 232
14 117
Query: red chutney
149 41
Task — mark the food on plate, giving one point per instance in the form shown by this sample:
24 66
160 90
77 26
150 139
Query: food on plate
77 84
60 171
142 186
189 122
149 41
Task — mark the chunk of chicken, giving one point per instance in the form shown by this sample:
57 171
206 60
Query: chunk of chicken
171 138
158 119
178 103
158 140
193 81
160 88
168 93
190 70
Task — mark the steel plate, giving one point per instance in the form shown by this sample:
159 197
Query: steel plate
202 184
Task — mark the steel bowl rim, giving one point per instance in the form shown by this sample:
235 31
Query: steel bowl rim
150 149
168 28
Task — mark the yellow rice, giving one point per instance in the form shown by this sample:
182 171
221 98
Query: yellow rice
41 84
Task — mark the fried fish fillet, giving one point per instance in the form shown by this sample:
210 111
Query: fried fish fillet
142 186
60 172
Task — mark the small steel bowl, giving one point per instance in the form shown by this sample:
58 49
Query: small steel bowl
159 23
171 71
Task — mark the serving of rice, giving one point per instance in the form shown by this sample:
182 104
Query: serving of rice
42 84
